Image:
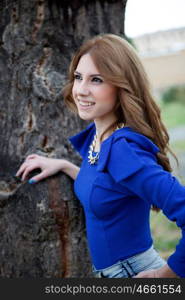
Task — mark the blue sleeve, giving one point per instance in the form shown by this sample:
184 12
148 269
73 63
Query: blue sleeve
138 170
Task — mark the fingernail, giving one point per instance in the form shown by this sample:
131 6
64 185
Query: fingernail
31 181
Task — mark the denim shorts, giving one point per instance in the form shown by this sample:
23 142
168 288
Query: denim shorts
127 268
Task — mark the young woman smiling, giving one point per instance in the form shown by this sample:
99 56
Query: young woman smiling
125 170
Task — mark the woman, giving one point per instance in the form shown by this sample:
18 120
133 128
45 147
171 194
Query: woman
125 169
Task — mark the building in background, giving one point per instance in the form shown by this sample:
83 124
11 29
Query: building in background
163 56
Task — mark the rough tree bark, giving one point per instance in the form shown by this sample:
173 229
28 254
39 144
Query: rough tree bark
42 232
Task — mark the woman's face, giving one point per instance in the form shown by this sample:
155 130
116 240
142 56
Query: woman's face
94 97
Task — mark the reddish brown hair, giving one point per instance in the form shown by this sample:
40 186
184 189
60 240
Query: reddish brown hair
119 64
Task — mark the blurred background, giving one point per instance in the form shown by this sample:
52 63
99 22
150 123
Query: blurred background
157 31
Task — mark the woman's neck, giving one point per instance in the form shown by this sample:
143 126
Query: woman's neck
101 127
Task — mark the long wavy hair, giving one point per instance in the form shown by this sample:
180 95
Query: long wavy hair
119 64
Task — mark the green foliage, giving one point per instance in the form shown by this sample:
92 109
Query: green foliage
173 114
174 94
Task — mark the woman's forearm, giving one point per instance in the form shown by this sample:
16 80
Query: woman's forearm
69 168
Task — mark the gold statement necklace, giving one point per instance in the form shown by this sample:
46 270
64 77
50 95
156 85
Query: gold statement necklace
93 159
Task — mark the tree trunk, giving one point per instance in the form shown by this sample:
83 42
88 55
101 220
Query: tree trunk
42 231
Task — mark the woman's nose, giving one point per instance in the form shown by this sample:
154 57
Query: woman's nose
83 89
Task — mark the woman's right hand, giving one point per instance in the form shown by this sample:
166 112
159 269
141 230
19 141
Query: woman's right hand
48 167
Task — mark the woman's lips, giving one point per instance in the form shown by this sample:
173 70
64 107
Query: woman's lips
84 105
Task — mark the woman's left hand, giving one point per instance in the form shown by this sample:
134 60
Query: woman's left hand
163 272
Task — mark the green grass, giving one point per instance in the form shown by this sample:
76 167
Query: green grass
178 146
173 114
165 234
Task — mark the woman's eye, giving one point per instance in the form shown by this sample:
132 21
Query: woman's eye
97 79
77 76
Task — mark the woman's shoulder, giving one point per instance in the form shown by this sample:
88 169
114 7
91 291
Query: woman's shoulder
126 152
134 140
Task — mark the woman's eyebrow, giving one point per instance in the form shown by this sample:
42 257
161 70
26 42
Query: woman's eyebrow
91 75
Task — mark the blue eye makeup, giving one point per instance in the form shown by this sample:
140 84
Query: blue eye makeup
77 76
93 78
97 79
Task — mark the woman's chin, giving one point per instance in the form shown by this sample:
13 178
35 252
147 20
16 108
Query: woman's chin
85 117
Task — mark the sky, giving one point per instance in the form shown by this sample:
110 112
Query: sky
146 16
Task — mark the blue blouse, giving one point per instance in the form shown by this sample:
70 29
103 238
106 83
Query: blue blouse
117 194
